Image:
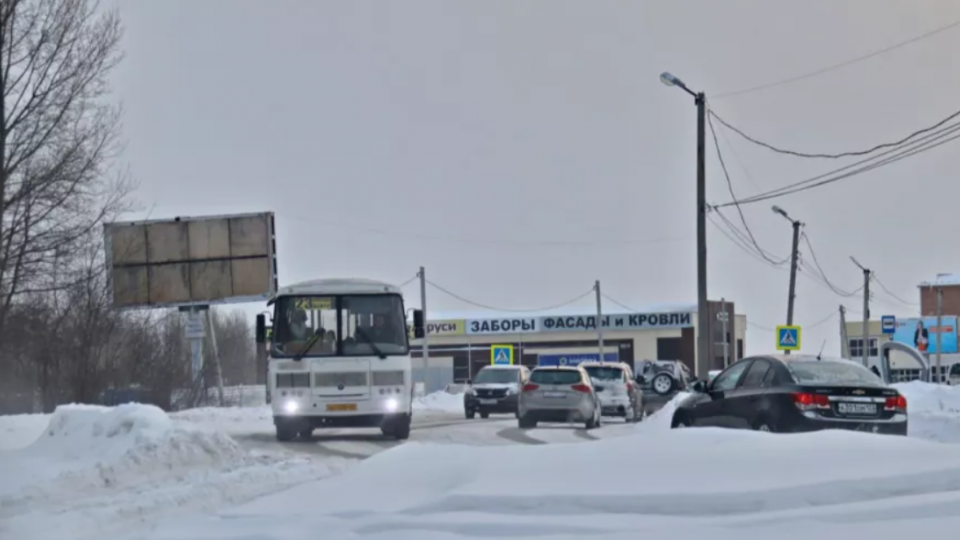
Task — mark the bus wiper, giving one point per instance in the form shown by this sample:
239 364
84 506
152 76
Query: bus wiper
310 342
363 334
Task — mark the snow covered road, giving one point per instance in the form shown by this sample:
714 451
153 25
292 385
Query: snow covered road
134 472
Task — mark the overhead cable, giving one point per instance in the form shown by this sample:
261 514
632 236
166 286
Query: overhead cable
855 153
889 293
839 65
743 220
928 142
511 310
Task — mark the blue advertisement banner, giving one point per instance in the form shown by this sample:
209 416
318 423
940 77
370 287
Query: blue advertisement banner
925 340
575 358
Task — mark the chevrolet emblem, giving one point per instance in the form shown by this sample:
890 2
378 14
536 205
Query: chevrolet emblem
859 392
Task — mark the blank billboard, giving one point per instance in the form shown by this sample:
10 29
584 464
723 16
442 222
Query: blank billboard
192 260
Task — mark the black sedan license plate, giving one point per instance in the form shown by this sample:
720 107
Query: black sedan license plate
857 409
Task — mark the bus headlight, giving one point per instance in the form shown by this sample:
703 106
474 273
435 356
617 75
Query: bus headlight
391 404
291 406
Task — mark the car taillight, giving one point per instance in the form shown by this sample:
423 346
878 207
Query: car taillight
581 388
898 403
530 387
807 401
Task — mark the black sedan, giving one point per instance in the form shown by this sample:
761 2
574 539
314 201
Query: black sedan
795 393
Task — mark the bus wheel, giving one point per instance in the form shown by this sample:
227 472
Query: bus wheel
398 428
285 433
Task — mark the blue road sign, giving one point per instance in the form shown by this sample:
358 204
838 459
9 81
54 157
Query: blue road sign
788 338
888 324
501 355
575 359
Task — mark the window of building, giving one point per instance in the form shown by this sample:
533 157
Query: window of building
856 347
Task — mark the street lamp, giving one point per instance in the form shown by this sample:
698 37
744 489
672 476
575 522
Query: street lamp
793 261
703 320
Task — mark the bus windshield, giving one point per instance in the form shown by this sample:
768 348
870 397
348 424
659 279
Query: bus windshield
339 325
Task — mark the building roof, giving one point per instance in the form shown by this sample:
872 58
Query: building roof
942 280
566 310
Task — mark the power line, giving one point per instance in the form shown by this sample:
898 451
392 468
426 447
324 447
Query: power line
820 322
751 245
840 65
746 248
511 310
886 290
854 153
726 174
928 142
822 274
399 233
409 281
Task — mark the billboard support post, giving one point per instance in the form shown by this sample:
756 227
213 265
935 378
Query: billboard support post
216 358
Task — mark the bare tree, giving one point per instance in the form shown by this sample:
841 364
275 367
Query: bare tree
58 135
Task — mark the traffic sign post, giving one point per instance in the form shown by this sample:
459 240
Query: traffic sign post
501 355
788 338
888 324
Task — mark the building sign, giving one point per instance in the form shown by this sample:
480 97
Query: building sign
509 325
574 359
639 321
449 327
922 334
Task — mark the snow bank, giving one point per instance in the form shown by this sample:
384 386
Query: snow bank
439 402
92 446
835 485
19 430
97 468
934 410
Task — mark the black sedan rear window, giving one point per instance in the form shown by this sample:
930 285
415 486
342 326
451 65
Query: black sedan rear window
555 376
831 373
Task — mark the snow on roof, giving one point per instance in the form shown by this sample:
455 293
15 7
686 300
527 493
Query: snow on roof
339 286
567 310
942 280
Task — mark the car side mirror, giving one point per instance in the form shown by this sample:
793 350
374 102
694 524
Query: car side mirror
418 329
469 382
641 379
261 328
699 387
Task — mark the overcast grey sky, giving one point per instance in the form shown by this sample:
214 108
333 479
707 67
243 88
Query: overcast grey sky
522 149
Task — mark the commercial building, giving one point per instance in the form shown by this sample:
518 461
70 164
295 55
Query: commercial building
460 344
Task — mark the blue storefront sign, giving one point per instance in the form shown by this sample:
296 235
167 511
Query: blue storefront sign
574 359
923 336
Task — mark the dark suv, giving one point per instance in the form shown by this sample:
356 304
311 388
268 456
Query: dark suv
494 390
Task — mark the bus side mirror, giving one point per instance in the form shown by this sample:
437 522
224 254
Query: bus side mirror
418 330
261 329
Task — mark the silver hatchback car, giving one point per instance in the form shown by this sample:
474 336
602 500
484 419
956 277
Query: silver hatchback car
559 394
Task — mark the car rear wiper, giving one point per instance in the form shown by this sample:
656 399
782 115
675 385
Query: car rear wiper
309 345
363 334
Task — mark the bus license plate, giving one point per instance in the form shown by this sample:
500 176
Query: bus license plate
341 406
857 408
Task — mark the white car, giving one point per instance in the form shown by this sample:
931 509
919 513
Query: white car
619 394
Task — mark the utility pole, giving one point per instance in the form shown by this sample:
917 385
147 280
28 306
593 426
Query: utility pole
794 255
939 331
426 326
844 341
724 317
703 319
866 312
596 287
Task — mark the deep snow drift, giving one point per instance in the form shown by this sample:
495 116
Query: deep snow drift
128 462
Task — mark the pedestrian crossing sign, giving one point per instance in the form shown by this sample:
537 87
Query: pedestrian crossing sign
501 355
788 338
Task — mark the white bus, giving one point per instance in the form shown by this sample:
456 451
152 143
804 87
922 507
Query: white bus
339 356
